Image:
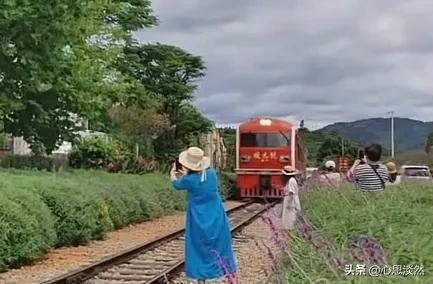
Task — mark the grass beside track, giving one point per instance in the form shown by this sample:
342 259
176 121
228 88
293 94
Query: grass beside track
398 220
41 210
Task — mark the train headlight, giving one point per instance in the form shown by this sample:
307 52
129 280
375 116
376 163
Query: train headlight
265 122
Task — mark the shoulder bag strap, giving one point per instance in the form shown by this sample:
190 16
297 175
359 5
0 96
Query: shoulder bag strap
328 179
380 178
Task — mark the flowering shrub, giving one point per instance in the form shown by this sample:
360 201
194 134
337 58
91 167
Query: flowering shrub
41 210
341 226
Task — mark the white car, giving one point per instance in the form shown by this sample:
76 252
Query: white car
415 173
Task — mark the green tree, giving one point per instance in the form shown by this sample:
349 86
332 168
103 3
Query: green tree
429 143
135 125
229 136
331 149
186 132
168 75
167 71
57 59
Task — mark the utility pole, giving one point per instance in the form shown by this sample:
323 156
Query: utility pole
342 146
392 133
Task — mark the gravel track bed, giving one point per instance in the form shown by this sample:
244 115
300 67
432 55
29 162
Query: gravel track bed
154 262
63 260
255 265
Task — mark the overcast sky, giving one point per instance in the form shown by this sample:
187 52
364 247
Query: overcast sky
322 61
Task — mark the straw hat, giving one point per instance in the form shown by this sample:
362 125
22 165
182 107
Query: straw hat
194 160
289 171
392 169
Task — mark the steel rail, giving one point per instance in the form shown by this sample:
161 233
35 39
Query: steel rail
82 274
166 276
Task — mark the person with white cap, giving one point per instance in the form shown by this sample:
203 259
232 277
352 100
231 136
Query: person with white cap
330 177
291 202
207 229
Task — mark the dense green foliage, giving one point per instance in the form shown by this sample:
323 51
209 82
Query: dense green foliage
41 210
229 136
96 153
399 219
55 58
31 162
321 146
67 64
415 157
227 184
429 143
168 122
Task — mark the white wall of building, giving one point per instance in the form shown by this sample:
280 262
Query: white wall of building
21 147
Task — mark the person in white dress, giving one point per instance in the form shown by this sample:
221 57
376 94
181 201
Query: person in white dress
291 203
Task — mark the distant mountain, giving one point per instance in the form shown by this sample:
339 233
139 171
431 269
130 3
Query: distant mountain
409 134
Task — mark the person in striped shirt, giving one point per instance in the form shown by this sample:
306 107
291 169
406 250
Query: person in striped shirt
369 173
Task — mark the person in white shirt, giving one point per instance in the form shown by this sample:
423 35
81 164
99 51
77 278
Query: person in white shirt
291 202
330 177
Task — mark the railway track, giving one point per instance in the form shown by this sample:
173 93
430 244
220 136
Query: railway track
157 261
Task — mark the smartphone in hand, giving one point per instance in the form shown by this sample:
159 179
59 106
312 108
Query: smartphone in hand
361 156
178 165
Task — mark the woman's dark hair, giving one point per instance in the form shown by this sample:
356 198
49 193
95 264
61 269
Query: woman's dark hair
373 152
287 178
191 172
393 177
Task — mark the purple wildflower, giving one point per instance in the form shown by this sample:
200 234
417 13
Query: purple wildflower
320 243
277 235
231 276
307 231
367 250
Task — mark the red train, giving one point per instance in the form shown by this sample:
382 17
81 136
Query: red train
263 147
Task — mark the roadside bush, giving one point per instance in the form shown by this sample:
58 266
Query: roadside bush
150 203
96 153
27 229
33 162
39 210
32 205
27 162
79 215
227 185
123 208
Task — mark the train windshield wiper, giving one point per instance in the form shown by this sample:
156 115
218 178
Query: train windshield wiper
285 136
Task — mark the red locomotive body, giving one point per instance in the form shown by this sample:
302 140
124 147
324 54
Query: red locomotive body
263 147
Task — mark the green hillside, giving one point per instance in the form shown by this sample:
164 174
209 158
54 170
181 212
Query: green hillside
321 146
410 134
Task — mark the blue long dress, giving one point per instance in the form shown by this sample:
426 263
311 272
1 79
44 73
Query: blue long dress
207 229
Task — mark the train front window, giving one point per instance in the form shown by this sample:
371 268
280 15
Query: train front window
265 140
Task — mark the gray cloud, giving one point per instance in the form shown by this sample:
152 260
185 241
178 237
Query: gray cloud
322 61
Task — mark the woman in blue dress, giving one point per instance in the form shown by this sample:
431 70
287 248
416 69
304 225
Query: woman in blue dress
208 241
